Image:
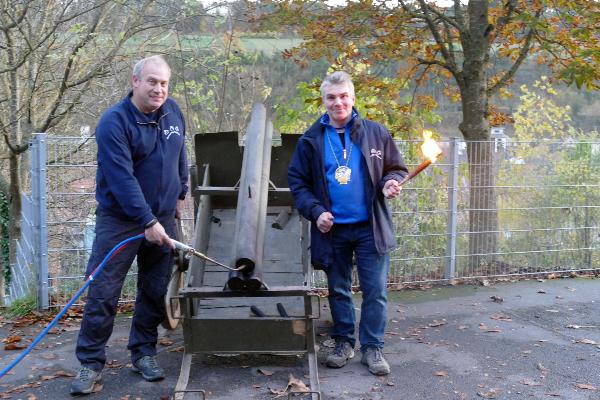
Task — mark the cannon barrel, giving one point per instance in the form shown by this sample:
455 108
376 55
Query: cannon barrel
252 200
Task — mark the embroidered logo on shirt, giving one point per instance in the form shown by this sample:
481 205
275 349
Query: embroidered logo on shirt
376 153
172 130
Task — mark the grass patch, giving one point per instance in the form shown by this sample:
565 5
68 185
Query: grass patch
20 307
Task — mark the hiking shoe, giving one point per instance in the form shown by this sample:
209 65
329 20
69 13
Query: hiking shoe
83 383
149 368
373 358
340 354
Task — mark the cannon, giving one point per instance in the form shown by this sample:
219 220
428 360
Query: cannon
244 216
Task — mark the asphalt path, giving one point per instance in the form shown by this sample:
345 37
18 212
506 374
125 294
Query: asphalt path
533 339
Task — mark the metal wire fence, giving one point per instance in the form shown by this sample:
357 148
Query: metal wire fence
499 208
71 204
485 209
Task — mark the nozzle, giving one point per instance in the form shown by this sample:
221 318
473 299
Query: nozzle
190 250
182 246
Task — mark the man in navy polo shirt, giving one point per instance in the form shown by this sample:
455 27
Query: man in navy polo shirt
343 169
141 182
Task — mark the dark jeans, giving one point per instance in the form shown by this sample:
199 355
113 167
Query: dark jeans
357 239
154 268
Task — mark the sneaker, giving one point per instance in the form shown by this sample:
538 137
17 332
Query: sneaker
83 383
149 368
340 354
373 358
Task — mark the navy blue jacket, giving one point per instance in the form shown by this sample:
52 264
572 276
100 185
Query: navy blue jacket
307 181
142 166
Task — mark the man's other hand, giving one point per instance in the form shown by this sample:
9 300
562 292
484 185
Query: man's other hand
156 234
325 222
391 189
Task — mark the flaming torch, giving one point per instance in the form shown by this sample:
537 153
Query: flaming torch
430 150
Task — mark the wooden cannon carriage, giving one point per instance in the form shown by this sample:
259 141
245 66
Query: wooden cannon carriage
245 218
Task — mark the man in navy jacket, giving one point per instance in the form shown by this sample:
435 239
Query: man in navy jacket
141 183
342 170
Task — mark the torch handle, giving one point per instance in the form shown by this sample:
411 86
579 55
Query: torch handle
415 171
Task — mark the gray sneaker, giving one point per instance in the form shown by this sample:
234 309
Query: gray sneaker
340 354
373 358
149 368
83 383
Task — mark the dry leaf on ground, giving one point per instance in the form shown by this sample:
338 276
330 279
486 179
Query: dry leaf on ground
264 372
586 386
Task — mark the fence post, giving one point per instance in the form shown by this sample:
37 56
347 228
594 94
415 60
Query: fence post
450 272
40 228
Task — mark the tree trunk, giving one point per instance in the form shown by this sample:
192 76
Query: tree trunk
14 230
483 214
4 234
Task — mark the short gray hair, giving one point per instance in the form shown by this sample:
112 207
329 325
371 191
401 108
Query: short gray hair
139 66
337 78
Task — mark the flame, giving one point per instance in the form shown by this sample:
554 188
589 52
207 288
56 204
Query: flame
430 148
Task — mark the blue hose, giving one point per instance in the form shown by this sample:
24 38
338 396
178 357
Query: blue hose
69 304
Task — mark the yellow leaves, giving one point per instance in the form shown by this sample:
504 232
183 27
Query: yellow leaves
497 117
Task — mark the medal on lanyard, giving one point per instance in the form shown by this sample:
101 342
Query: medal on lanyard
342 173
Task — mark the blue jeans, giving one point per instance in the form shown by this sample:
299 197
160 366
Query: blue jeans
154 270
348 240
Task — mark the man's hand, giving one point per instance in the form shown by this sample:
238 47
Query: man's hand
325 222
179 208
391 189
156 234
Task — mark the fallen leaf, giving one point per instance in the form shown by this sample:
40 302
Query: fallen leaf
441 373
265 372
12 339
277 392
296 385
390 383
585 386
437 323
14 346
586 341
500 317
529 382
114 364
491 394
